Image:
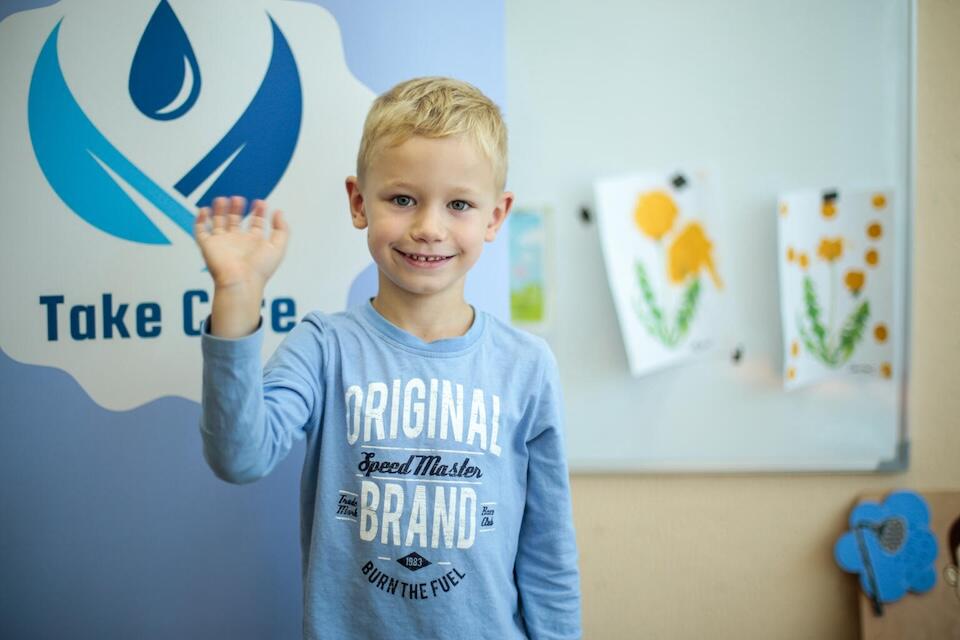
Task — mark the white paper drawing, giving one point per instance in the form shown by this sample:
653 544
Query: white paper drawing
836 284
662 264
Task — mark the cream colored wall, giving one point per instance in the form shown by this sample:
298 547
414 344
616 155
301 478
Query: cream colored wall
750 556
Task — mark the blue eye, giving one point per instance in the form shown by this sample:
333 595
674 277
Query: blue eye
459 205
402 201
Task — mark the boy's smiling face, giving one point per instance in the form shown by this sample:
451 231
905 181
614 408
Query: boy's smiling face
428 205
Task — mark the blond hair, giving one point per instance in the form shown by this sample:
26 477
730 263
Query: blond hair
435 107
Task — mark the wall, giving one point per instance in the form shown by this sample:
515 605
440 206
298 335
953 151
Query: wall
750 556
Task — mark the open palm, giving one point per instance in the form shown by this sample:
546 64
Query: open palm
238 254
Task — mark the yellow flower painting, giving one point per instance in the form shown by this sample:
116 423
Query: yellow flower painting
830 249
664 264
655 214
690 252
854 279
836 306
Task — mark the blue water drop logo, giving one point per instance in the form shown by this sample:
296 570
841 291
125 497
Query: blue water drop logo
164 76
86 170
252 156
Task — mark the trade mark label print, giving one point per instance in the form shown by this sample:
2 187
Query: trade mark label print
426 467
122 122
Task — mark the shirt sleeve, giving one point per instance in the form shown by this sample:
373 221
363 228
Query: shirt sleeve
546 566
251 414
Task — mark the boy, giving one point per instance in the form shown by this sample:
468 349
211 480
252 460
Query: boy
434 494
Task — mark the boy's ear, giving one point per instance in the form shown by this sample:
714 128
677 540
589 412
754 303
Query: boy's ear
500 213
357 212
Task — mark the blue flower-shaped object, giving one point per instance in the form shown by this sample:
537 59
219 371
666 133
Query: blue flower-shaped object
891 546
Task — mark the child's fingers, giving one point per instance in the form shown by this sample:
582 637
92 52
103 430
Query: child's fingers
257 211
219 215
279 231
200 231
235 215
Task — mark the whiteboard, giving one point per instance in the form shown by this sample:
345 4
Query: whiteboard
767 97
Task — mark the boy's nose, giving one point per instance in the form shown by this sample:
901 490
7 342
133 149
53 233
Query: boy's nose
428 225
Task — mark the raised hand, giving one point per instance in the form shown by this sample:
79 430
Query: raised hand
241 259
236 255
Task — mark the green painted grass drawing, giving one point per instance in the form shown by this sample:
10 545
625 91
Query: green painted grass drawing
655 320
832 350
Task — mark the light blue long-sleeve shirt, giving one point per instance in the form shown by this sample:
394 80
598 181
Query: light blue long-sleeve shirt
435 497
